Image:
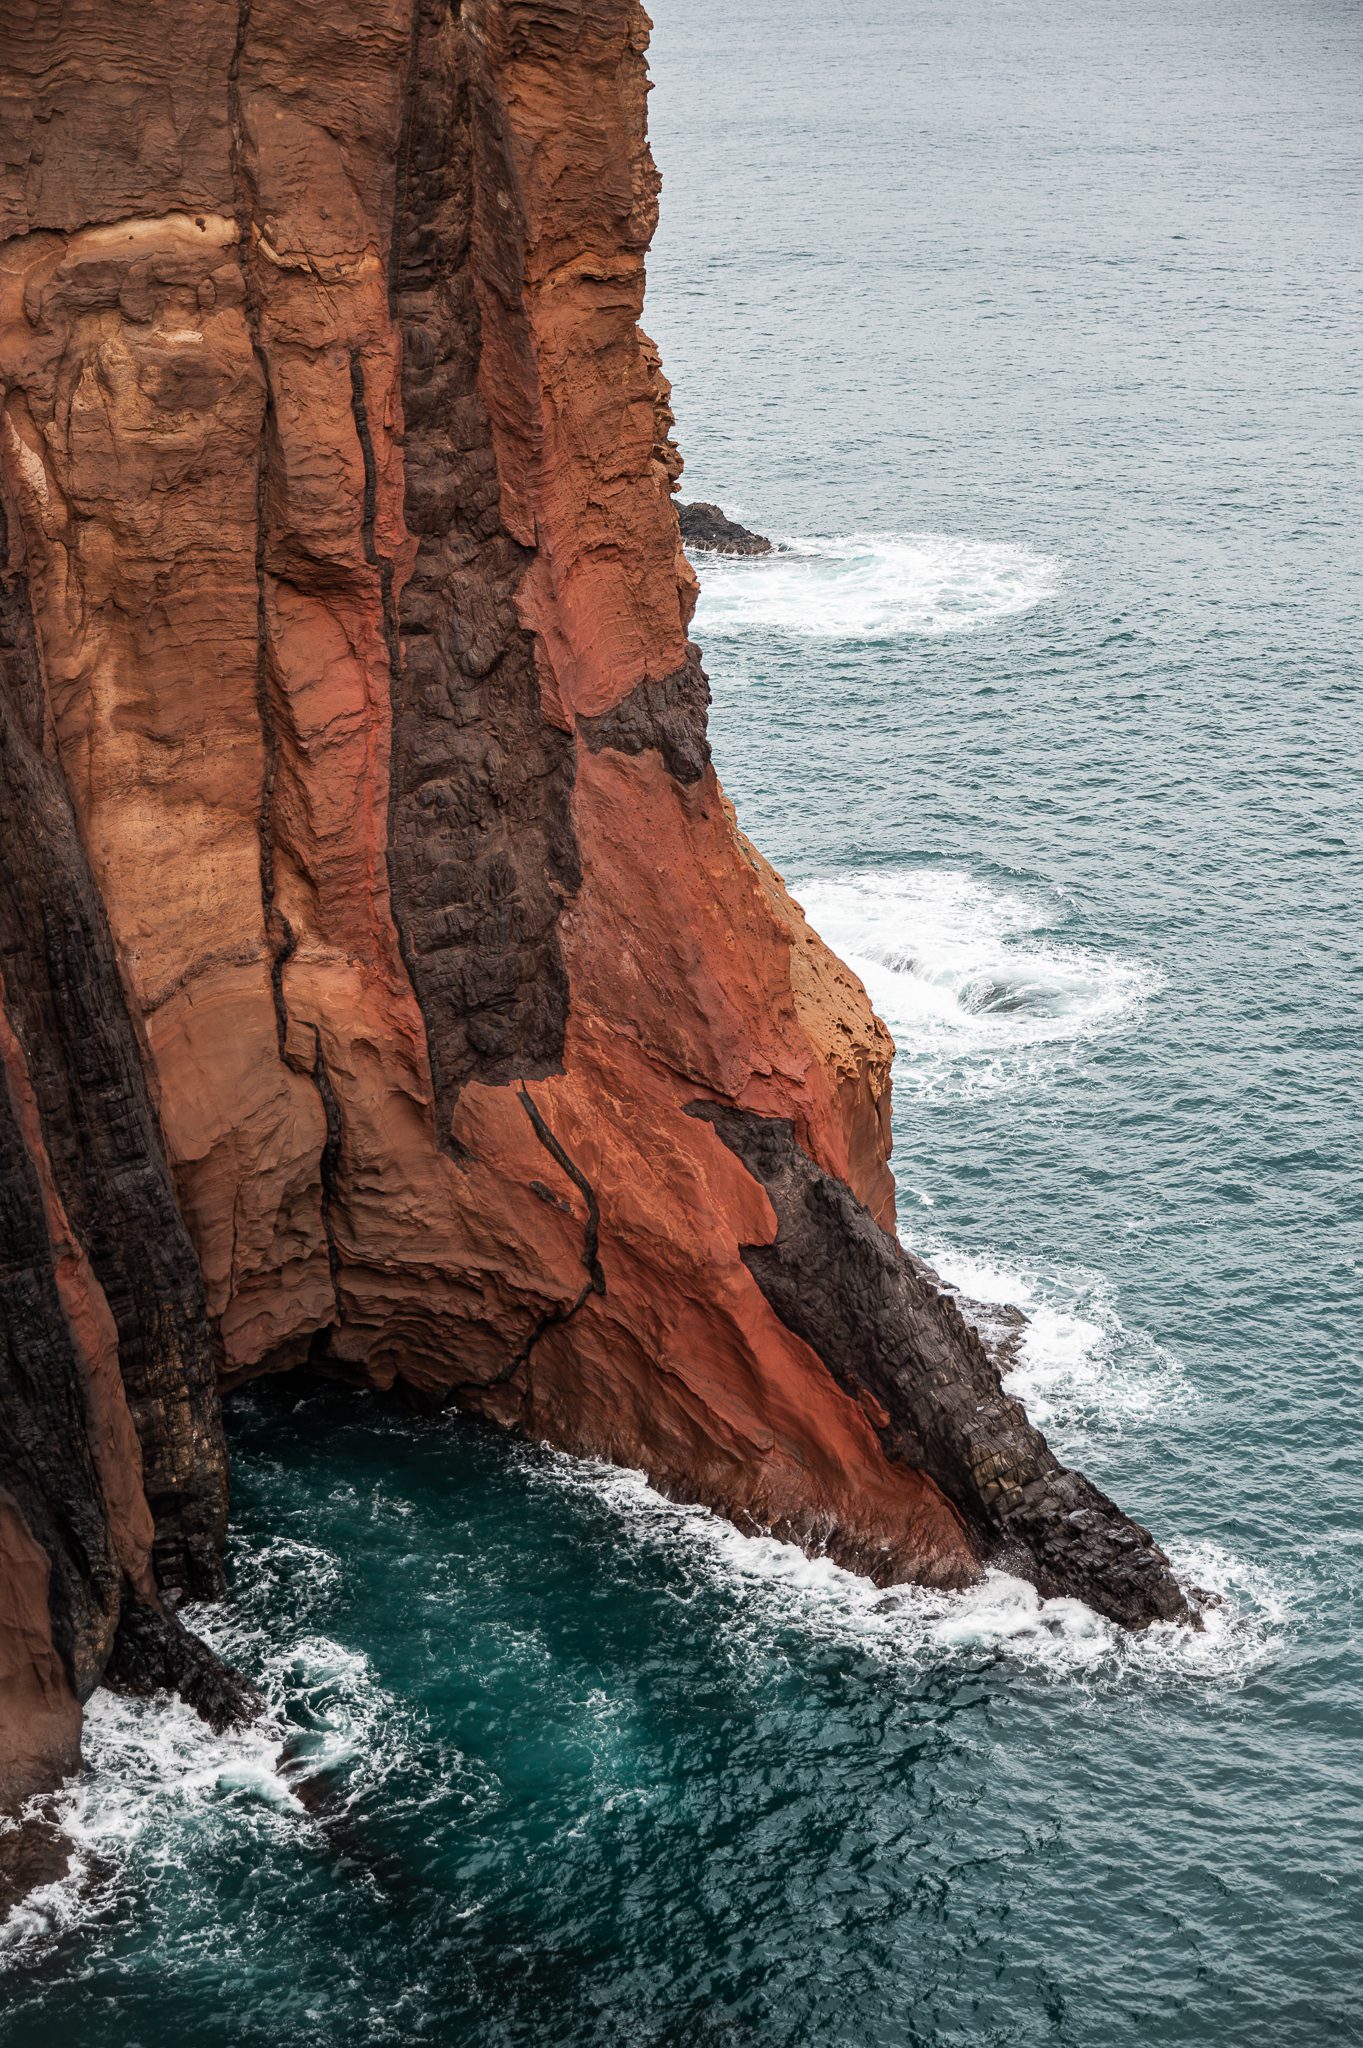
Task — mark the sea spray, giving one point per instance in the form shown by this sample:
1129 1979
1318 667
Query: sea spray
781 1590
1083 1376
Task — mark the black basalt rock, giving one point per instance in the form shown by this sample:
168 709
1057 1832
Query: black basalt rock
668 717
882 1323
705 526
64 996
154 1652
482 856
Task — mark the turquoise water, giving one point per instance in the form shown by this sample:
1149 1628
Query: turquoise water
1031 328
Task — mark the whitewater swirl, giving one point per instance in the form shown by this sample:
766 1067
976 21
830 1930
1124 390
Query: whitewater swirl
978 989
873 586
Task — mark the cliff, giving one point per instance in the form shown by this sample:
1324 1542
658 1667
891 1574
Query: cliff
386 983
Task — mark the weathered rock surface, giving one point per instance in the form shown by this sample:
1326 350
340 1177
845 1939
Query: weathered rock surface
889 1332
371 920
705 526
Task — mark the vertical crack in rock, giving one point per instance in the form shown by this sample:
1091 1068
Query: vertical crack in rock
482 854
66 999
879 1320
392 634
591 1236
359 409
45 1424
279 935
281 939
330 1164
595 1283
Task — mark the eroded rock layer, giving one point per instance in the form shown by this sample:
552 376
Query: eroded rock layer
372 922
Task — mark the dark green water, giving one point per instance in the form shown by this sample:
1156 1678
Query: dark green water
1035 325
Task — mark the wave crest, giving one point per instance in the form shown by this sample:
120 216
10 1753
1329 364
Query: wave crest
1080 1373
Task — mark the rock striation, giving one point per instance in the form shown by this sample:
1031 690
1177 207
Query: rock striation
386 984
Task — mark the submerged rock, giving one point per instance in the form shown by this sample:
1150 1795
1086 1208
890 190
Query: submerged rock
705 526
34 1851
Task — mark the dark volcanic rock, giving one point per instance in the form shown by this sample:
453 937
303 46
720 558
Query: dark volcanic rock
78 1044
883 1325
154 1652
705 526
32 1854
668 716
482 856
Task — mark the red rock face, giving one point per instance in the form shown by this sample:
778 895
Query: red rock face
341 543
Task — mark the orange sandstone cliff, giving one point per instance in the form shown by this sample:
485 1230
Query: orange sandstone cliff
386 983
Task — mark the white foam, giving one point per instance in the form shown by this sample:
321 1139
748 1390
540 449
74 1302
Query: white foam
873 586
50 1910
150 1765
1078 1370
159 1783
781 1588
977 997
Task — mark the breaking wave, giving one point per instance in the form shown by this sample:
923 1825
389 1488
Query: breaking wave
161 1792
869 586
158 1786
1081 1374
976 994
781 1589
164 1799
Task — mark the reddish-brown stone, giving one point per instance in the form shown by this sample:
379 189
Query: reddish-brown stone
340 471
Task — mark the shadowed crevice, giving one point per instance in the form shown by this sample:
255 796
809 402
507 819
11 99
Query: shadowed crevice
64 994
481 851
591 1237
595 1283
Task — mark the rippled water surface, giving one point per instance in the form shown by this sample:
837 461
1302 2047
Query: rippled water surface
1031 328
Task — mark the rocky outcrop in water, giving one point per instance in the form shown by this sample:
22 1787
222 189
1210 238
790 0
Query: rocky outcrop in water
372 925
705 526
896 1339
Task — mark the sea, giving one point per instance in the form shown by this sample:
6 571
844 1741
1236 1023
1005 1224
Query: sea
1030 329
